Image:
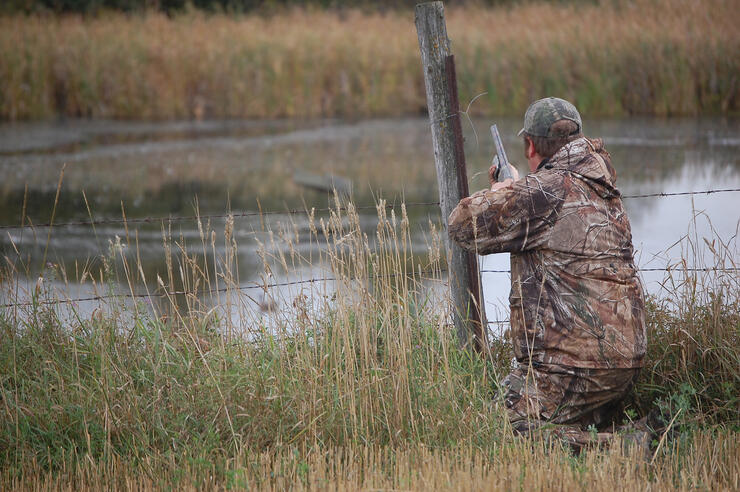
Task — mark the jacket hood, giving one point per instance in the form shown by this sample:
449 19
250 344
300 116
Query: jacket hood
590 162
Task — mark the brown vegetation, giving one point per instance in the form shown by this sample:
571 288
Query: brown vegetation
649 57
710 463
353 384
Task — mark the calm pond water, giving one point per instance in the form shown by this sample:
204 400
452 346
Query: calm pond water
161 169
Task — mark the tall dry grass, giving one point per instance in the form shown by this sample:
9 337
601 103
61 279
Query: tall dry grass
357 383
693 365
659 57
711 462
205 375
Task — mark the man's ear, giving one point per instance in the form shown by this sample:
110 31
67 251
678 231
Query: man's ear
528 148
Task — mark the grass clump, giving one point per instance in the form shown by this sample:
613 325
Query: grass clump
183 383
356 385
611 58
693 361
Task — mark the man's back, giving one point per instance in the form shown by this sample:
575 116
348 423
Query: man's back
576 299
577 306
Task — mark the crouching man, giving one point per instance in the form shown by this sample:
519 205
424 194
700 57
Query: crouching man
577 305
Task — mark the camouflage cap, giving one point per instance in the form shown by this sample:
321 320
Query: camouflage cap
542 113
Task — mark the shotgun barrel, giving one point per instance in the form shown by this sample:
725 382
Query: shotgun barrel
503 171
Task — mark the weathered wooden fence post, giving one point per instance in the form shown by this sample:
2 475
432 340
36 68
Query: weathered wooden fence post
449 159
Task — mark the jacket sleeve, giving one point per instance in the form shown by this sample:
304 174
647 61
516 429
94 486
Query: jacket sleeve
512 219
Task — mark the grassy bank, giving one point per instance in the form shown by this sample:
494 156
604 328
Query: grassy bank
656 57
357 385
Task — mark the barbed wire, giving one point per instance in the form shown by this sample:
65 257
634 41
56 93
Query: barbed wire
298 282
656 269
204 292
682 193
243 214
304 281
160 294
682 269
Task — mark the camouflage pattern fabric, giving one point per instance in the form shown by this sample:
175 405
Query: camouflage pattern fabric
542 113
565 395
566 403
575 299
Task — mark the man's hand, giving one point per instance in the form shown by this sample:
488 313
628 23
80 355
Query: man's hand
495 185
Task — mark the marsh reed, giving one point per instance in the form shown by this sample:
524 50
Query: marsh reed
657 57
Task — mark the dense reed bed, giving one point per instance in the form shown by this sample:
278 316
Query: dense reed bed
659 57
353 384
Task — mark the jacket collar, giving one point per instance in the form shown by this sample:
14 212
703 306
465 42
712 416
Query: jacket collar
568 154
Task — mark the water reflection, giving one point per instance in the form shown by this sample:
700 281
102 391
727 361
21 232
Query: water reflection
153 169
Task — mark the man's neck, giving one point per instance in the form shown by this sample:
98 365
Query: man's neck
535 161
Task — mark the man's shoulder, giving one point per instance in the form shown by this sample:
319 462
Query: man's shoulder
548 178
542 192
576 150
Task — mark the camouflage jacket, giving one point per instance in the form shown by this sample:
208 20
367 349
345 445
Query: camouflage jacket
575 296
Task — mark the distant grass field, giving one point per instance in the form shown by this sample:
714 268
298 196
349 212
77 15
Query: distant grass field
358 386
658 57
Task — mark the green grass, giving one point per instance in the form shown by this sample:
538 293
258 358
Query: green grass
173 395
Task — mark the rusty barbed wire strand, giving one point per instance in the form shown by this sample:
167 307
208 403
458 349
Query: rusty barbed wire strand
682 193
204 292
655 269
161 294
297 282
242 214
